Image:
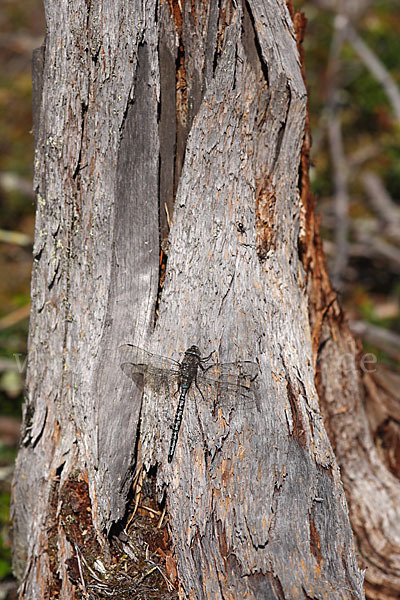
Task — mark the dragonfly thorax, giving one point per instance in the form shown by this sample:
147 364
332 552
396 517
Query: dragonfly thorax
193 351
189 366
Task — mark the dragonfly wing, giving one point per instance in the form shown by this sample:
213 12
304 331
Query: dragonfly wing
139 356
233 381
149 375
243 372
133 372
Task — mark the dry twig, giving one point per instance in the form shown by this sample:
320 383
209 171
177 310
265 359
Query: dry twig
382 204
377 68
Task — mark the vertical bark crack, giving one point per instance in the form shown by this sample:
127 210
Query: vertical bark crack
251 42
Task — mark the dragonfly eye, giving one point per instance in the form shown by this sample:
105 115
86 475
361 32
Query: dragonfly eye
194 350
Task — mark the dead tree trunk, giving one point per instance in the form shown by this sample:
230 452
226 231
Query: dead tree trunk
195 113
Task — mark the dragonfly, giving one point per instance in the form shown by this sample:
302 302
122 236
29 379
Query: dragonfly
219 381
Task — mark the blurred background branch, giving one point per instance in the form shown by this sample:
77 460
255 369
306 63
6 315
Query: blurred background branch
353 71
377 68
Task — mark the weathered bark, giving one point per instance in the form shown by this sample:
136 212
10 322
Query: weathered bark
139 102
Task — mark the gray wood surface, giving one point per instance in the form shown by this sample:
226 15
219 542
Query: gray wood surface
255 501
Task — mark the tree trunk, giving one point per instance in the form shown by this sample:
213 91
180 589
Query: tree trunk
195 113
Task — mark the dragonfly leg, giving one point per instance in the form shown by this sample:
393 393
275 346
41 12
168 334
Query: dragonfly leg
205 359
199 390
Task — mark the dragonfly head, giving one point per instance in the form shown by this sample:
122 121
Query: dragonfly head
193 351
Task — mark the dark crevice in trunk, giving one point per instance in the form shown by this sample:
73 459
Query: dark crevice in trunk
181 115
282 128
253 39
217 50
167 134
279 142
211 45
142 46
130 472
78 167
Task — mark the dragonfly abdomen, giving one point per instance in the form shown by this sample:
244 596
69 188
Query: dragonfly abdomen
188 372
178 421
